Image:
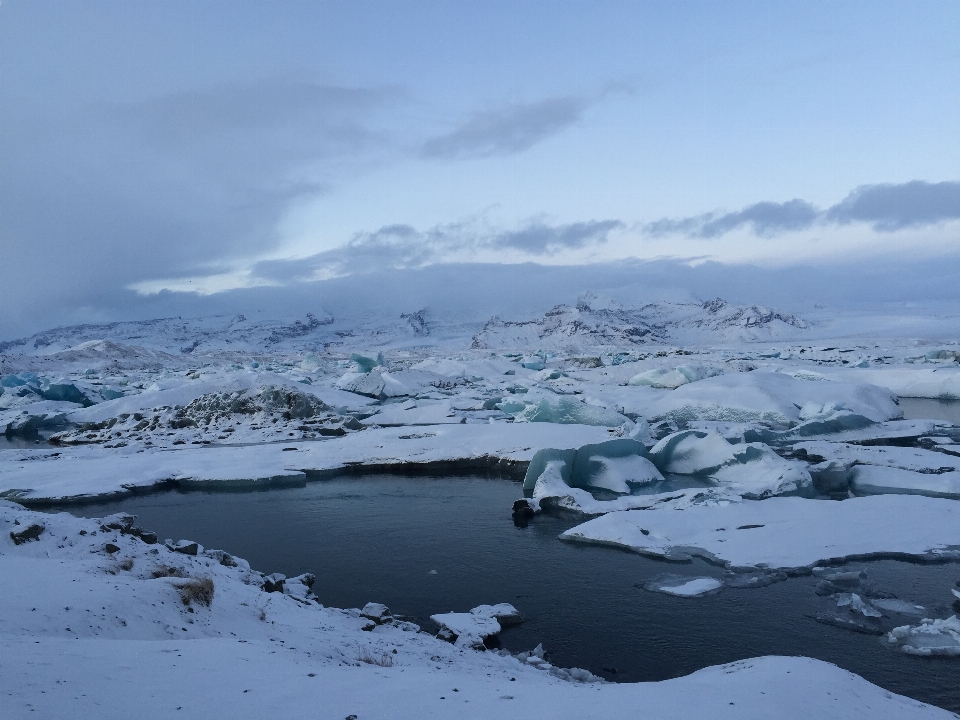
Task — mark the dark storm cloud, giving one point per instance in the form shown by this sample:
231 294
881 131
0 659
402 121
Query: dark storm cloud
764 218
886 207
123 191
511 130
543 239
892 207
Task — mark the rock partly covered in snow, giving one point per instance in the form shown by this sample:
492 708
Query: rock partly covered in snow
472 628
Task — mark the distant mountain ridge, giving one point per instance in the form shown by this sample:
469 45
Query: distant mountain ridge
566 327
173 335
591 323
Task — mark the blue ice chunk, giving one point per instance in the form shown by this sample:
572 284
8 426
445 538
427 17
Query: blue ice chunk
367 361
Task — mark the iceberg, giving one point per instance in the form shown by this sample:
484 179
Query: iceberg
64 392
771 398
367 361
562 410
370 383
109 393
683 586
752 470
672 379
929 638
614 465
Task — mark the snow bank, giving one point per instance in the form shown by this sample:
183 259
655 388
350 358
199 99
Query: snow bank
86 472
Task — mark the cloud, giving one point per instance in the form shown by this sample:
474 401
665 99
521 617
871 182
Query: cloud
887 207
402 246
765 219
508 131
540 239
893 207
110 194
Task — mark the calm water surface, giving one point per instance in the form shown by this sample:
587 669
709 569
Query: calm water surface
928 409
378 538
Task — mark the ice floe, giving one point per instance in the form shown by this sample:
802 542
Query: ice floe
929 638
681 586
785 533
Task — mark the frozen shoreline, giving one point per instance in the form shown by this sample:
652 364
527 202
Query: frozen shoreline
93 631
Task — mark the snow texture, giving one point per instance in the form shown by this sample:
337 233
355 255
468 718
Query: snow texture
785 532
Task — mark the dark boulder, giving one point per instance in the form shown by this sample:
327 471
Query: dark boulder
31 532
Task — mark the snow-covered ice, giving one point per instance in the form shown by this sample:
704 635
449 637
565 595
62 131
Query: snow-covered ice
595 403
684 586
785 532
930 637
771 397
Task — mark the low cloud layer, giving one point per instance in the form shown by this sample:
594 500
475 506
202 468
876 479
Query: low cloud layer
402 246
886 207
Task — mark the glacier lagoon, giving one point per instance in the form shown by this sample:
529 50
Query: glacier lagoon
427 545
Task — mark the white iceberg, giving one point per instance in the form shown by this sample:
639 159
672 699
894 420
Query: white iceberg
749 469
930 637
614 465
562 410
681 586
367 361
772 398
673 378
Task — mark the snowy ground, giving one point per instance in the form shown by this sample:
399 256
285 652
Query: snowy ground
795 451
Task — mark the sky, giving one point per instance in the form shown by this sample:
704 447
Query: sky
159 156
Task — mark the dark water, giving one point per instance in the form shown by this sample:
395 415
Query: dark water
378 538
15 442
928 409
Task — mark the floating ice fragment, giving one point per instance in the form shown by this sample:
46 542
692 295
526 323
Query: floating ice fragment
930 637
856 604
902 607
682 586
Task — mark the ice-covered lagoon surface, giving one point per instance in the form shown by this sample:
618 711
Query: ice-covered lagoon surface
749 403
423 545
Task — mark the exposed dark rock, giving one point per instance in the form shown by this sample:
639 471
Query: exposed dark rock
187 547
274 582
31 532
111 548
